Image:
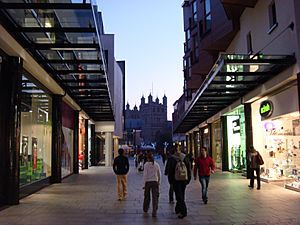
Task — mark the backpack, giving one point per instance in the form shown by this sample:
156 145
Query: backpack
260 160
181 172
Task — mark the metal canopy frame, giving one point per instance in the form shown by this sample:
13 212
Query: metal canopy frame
63 37
231 78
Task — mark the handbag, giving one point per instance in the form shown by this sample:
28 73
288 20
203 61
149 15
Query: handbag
260 160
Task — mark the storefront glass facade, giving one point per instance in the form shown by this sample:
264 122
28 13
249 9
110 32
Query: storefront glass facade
82 146
236 144
67 156
277 138
217 144
36 133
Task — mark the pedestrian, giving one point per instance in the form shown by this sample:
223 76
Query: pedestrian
151 177
191 158
205 165
179 174
171 187
121 168
254 165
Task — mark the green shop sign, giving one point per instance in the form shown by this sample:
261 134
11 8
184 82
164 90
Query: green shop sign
266 109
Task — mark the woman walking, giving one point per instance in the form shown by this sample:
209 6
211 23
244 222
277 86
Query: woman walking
151 176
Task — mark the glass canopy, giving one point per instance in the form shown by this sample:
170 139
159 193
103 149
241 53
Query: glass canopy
231 78
64 38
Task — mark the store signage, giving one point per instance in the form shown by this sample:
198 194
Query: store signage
236 126
266 109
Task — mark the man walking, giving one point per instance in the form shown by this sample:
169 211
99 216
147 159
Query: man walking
205 166
179 174
121 168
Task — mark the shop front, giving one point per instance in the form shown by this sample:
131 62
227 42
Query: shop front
82 157
67 152
216 143
36 133
276 134
205 138
196 143
236 140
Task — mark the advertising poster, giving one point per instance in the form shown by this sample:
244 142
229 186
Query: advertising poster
24 151
34 152
67 151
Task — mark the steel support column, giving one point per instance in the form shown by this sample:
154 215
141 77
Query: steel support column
56 139
10 114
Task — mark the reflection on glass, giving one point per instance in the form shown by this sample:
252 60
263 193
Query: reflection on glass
36 131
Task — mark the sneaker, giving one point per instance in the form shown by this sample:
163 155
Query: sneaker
250 186
154 214
205 201
258 188
119 199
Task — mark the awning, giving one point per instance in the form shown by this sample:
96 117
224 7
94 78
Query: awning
231 78
64 38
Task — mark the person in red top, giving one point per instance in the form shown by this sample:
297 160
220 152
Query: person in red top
205 165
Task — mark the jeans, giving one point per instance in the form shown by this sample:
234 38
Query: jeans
179 188
151 186
204 181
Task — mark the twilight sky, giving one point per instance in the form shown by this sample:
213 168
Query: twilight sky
149 37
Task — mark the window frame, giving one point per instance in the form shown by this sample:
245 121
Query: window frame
273 23
249 43
206 15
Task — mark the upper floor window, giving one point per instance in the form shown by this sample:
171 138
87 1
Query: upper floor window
188 39
249 43
194 9
272 16
207 15
195 49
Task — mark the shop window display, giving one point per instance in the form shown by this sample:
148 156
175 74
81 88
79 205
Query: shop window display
236 143
282 150
217 144
36 132
82 133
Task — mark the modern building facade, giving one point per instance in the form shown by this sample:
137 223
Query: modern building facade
58 115
250 96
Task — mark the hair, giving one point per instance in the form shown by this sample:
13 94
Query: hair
150 157
252 148
172 151
121 151
204 148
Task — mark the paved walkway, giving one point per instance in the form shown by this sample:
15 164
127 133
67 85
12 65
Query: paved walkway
90 199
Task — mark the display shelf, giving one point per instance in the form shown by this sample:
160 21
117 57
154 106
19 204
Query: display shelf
287 186
269 180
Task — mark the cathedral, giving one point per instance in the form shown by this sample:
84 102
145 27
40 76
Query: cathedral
144 125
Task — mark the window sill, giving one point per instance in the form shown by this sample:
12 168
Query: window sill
272 28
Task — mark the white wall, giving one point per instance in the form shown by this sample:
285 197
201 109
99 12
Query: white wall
118 106
256 20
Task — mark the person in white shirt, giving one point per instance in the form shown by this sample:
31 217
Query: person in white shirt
151 177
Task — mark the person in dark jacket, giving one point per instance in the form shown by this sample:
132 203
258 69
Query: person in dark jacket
171 188
254 166
121 168
205 165
179 185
